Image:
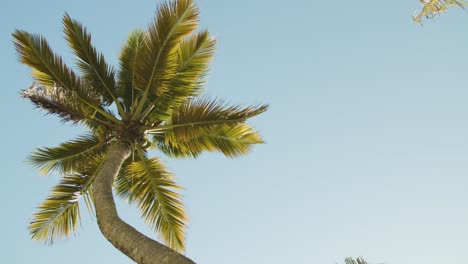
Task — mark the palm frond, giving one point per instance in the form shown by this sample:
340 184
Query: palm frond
147 183
58 216
194 56
56 100
68 157
48 68
195 117
92 64
432 8
232 141
157 61
128 61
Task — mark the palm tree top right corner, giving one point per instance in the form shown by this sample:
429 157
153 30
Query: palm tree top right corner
433 8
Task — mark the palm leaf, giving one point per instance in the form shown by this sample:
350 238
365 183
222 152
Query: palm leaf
432 8
195 117
147 183
58 216
232 141
91 63
128 61
68 157
48 68
194 56
56 100
157 61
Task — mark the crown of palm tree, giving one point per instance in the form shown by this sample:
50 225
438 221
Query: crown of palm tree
154 94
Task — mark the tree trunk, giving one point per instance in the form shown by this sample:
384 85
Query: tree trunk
124 237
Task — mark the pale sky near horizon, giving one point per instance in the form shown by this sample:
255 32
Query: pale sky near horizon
367 134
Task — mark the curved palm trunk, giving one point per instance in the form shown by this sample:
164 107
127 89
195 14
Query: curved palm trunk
124 237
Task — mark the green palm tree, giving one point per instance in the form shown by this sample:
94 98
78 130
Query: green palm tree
149 102
432 8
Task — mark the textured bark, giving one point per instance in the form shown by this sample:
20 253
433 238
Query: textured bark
124 237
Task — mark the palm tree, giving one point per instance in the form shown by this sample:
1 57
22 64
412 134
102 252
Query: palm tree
432 8
150 102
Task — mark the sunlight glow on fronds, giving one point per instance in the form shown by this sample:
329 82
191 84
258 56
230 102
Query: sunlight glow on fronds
231 140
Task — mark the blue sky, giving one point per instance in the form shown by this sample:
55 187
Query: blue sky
367 134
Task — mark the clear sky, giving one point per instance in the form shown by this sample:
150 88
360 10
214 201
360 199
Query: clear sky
367 134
